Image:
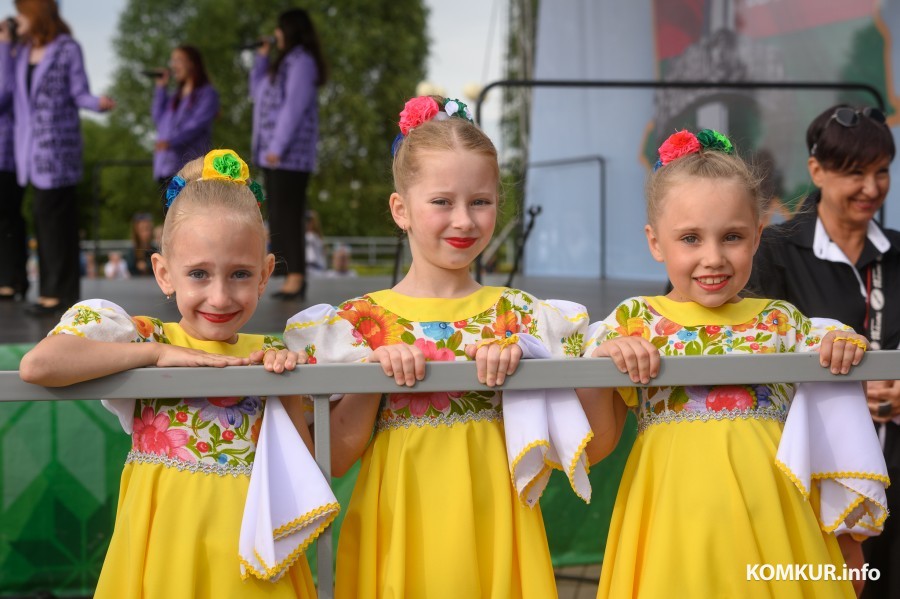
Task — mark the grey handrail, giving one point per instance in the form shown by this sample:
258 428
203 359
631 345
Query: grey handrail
322 380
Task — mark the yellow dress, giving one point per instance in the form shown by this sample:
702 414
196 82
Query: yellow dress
433 513
185 479
703 510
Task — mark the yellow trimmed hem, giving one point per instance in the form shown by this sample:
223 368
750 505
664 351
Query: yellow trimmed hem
574 464
271 572
515 464
296 326
793 478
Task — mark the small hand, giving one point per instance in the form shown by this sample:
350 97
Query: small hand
277 360
494 361
173 355
406 363
106 103
264 47
273 159
161 145
634 356
163 79
883 399
842 349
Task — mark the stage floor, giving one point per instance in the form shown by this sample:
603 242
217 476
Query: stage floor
143 297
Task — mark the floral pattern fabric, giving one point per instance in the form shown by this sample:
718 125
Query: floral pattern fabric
204 434
373 325
778 327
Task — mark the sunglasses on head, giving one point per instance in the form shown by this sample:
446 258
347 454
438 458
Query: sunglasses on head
848 117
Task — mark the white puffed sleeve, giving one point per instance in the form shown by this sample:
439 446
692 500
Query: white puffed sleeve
101 320
325 337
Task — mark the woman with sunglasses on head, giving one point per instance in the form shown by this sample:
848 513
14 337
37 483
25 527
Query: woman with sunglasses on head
833 260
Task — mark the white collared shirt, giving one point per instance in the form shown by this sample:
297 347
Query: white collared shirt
825 249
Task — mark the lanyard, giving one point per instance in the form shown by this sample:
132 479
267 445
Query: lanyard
874 304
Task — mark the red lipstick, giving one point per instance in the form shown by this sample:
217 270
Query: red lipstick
218 318
460 242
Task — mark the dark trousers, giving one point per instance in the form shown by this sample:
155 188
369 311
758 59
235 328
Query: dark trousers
286 200
56 226
13 241
883 552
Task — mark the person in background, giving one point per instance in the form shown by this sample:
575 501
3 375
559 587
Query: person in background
49 87
183 116
13 248
285 132
833 260
315 244
116 267
340 263
142 245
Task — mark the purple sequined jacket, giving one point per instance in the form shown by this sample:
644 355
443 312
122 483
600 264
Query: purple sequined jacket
188 128
47 127
286 112
7 160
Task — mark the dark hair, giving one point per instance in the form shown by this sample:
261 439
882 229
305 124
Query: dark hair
45 23
842 149
198 74
298 30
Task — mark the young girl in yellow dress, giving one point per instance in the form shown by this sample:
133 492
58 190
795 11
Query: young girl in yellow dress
723 484
185 484
434 512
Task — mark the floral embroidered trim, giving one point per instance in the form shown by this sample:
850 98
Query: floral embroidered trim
201 467
770 413
481 415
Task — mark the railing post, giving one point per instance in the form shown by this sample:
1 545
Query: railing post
324 553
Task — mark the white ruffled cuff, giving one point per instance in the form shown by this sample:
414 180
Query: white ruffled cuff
829 440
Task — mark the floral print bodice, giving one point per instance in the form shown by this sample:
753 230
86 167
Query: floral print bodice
751 326
200 434
355 328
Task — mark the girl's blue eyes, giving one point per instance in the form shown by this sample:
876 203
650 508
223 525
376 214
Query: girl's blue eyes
201 274
691 239
446 202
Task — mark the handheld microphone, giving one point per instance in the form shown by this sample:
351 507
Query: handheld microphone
153 73
257 43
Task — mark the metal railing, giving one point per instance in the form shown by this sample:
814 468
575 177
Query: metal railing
320 381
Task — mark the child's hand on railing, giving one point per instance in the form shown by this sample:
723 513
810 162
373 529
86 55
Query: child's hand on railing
277 360
842 349
406 363
173 355
634 356
495 359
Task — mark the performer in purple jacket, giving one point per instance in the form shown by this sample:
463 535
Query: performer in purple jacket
185 116
285 132
13 249
49 87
